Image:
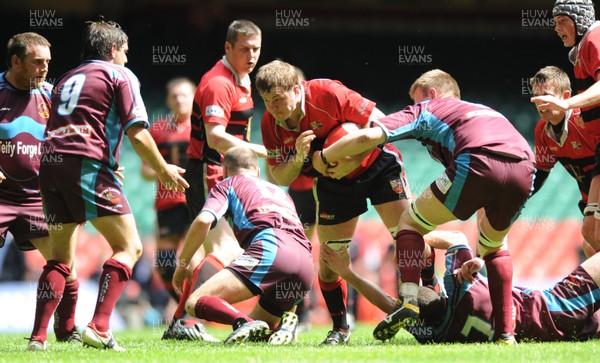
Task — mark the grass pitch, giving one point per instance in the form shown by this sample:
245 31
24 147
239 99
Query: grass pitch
146 346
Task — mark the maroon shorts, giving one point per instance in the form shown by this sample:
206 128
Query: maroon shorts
25 222
79 189
477 179
340 200
277 266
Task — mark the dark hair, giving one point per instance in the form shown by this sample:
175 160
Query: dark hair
432 306
99 37
242 26
20 45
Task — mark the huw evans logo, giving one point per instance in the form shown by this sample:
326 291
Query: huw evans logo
291 19
44 19
414 55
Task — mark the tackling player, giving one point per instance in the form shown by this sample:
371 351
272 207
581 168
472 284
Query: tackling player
561 137
276 264
24 110
566 312
221 118
93 106
488 164
299 117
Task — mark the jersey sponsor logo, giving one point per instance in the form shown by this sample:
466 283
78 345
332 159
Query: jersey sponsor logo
484 112
70 130
243 100
215 111
326 216
443 183
43 110
397 185
246 261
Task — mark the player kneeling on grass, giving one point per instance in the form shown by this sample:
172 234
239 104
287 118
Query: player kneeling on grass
566 312
276 264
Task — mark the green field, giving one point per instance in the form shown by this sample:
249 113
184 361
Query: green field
146 346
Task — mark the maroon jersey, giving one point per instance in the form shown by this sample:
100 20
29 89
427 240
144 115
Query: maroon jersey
567 311
93 106
574 149
253 205
325 105
448 127
23 116
172 140
221 98
585 57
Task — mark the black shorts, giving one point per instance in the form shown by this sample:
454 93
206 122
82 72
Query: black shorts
175 220
305 205
340 200
202 177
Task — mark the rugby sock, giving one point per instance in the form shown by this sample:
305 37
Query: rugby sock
428 271
335 294
500 271
208 267
114 277
409 255
51 286
64 319
215 309
166 262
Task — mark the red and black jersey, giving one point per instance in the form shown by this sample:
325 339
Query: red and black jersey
172 139
574 149
585 57
221 98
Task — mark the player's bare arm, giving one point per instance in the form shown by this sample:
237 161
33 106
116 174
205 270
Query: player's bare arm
352 144
193 241
589 97
285 172
219 139
339 262
143 144
2 177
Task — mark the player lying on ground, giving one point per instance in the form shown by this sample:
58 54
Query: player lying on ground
276 264
568 311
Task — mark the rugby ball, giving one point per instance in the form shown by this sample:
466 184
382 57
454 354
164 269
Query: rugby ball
337 133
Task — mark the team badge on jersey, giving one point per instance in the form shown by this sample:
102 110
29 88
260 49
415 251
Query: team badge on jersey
43 110
577 147
113 198
316 125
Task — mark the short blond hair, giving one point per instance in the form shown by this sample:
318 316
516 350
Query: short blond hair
276 74
240 158
438 79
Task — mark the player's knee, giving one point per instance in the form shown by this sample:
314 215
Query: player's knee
487 246
418 220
